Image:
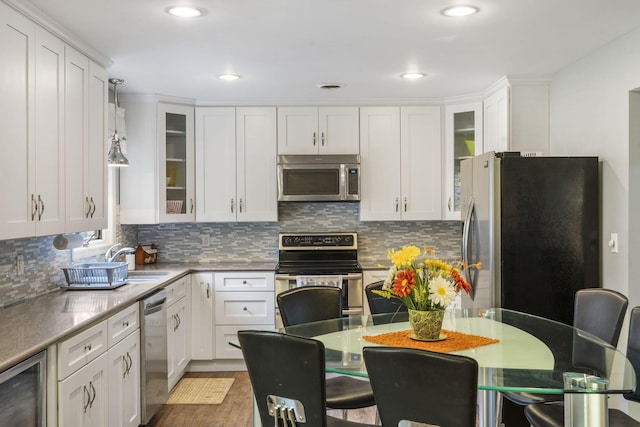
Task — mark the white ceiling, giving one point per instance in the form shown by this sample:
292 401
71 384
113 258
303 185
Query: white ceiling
284 48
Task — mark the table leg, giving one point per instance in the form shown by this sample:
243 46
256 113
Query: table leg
586 410
489 408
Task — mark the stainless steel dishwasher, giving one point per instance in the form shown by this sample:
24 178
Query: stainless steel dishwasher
154 382
23 393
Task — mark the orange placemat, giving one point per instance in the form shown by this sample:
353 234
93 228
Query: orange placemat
454 341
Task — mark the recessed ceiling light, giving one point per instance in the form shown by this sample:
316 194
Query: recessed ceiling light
460 10
184 11
228 77
412 76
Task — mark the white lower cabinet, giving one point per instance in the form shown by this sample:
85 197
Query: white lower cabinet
124 382
83 396
178 354
99 374
202 331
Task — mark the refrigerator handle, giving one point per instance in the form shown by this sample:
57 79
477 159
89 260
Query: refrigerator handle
466 238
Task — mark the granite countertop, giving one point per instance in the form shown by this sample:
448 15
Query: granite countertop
32 326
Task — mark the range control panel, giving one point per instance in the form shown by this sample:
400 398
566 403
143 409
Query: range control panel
308 241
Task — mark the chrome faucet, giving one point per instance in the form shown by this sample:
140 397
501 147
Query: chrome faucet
112 258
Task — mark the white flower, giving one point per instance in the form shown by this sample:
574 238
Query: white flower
441 291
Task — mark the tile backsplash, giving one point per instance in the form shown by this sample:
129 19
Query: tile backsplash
228 242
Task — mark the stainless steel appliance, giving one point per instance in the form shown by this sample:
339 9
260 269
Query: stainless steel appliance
155 381
533 222
318 178
329 259
23 393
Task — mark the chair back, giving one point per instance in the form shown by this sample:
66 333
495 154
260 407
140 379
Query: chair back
379 304
423 386
600 312
285 366
633 350
309 304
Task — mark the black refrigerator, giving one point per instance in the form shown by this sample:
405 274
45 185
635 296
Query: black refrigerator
534 224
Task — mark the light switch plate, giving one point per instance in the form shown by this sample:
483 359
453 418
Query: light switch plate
613 243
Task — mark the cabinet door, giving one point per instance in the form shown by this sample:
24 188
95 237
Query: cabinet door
96 164
177 352
298 130
421 163
257 189
380 163
463 139
124 382
16 123
496 121
202 321
176 139
339 130
49 134
216 164
83 397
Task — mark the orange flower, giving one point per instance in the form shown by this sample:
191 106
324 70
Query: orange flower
404 282
461 283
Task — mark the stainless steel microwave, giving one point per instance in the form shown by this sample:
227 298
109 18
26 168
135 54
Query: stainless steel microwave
318 178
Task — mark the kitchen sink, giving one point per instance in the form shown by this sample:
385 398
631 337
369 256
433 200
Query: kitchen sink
146 276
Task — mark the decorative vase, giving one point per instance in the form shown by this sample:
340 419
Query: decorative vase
426 325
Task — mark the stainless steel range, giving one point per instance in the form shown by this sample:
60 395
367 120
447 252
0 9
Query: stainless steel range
329 259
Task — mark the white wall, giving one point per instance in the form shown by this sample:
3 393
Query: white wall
589 115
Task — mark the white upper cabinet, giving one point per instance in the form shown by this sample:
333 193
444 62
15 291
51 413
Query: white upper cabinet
159 184
516 116
236 164
86 125
463 139
318 130
401 163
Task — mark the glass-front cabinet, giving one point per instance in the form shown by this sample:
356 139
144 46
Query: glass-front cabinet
176 133
463 139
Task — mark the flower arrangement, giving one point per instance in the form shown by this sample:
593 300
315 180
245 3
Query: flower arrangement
423 282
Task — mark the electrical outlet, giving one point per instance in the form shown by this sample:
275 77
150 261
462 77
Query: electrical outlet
19 265
205 240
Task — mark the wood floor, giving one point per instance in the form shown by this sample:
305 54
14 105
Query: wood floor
235 411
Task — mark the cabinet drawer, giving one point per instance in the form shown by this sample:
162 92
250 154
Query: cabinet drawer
122 324
258 281
80 349
176 290
244 308
225 334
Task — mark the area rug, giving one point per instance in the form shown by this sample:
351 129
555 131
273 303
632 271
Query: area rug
200 391
454 341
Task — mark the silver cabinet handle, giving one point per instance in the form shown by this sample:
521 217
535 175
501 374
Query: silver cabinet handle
126 365
192 205
449 204
240 204
208 291
314 139
87 347
93 398
405 204
94 207
125 323
88 395
179 320
245 308
322 138
232 205
41 208
86 200
397 204
34 207
130 362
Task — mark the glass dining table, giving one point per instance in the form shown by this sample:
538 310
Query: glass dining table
517 352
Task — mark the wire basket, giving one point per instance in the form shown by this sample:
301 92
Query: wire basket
174 206
97 275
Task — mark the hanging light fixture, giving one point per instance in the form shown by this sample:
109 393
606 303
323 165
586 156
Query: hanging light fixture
115 158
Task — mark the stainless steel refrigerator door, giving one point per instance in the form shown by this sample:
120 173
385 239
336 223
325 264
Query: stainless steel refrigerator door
479 231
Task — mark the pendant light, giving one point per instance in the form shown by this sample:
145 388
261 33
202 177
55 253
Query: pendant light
115 158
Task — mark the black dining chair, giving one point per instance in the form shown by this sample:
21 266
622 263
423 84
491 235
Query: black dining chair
551 414
421 386
288 381
597 311
314 303
379 304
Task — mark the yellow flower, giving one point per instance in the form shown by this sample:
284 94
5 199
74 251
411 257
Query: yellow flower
436 265
404 257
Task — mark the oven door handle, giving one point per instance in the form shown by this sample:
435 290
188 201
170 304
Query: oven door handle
354 276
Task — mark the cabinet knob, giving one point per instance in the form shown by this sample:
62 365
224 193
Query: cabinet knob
245 308
87 347
125 323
